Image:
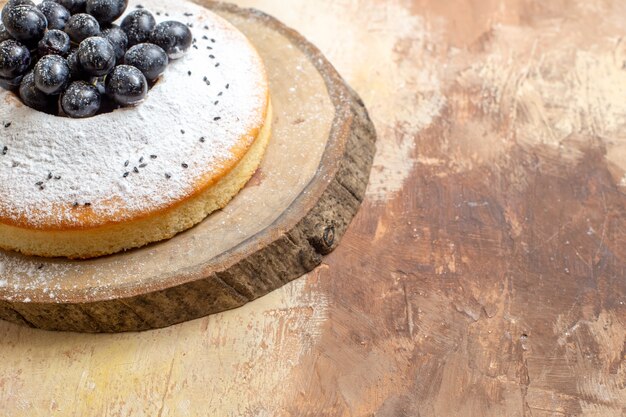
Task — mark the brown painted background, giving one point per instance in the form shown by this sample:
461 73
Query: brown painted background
485 274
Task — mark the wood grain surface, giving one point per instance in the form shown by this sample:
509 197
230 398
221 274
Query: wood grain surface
484 274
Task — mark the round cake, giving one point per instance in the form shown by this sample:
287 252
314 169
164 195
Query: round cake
82 188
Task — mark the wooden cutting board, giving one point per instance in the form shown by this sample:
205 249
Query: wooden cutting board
292 213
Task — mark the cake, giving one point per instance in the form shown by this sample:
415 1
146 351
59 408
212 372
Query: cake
87 187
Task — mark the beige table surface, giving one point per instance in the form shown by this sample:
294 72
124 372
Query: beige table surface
485 274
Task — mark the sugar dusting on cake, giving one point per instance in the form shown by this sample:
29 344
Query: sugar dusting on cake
138 159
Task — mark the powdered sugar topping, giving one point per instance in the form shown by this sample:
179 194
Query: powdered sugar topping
133 160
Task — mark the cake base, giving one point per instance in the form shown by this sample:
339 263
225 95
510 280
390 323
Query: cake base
155 227
292 212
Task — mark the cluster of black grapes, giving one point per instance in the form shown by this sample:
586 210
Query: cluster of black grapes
67 57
